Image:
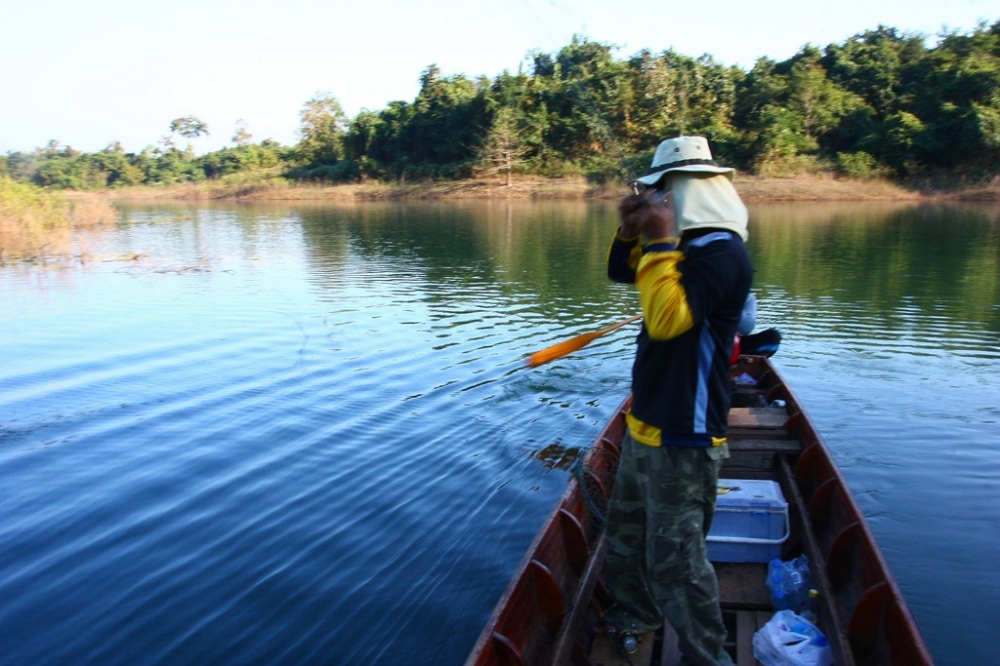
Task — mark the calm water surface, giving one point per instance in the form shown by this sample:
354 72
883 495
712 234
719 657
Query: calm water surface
304 435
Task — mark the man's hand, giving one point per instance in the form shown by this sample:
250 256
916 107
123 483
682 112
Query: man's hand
628 213
650 214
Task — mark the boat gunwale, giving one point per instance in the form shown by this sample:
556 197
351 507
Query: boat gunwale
799 421
571 496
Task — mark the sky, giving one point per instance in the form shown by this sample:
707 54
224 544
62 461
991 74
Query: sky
87 73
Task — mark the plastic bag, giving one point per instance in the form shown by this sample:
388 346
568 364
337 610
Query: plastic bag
790 640
789 583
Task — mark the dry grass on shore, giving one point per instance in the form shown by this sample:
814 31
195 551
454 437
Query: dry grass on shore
753 189
820 188
279 189
38 226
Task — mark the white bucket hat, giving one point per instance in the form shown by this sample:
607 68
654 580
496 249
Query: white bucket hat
685 153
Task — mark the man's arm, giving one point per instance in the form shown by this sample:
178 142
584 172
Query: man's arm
623 257
652 267
664 301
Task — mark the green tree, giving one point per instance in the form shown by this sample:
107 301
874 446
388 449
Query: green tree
188 127
361 144
321 131
960 103
577 95
445 126
675 94
516 119
780 141
246 158
584 95
879 65
790 113
821 103
904 134
386 139
879 100
116 167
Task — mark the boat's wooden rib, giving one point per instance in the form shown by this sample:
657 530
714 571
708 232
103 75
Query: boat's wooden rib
556 595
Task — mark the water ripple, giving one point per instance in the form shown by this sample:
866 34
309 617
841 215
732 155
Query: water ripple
324 446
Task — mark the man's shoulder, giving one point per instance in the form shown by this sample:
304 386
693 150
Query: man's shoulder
719 257
715 243
712 237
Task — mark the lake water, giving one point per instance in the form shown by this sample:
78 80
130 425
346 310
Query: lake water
287 435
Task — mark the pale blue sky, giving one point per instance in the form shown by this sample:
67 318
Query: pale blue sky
89 72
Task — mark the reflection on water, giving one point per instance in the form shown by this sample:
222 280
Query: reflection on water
937 260
295 434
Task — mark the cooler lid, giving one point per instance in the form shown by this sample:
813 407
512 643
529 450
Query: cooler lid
750 494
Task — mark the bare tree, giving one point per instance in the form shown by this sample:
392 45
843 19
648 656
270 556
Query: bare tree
503 150
242 136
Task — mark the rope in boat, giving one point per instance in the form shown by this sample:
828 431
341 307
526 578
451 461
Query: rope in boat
594 463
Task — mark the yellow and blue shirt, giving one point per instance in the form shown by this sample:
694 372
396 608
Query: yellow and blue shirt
692 296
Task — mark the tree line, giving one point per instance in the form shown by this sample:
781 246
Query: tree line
880 104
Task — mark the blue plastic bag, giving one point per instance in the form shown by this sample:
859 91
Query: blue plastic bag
789 583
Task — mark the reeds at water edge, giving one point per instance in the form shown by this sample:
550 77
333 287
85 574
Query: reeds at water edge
40 226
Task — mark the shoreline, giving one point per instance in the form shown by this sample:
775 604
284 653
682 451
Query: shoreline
753 189
30 238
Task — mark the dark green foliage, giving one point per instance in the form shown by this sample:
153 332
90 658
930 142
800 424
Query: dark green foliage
61 167
443 132
878 65
251 157
64 168
882 103
860 165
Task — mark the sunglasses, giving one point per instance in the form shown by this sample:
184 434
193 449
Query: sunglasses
641 188
656 194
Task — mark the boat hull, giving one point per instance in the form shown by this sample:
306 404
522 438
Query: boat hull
556 595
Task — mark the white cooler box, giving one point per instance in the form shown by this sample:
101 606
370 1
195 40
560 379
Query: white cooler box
751 522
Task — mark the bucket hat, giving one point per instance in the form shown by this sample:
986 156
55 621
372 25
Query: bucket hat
684 153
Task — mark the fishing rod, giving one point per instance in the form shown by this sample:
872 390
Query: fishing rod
575 343
601 129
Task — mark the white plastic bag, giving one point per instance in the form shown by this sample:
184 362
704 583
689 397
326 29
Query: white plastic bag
790 640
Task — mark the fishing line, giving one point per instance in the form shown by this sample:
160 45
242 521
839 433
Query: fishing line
599 126
538 20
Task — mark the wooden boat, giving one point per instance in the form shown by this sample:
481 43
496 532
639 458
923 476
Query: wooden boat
547 614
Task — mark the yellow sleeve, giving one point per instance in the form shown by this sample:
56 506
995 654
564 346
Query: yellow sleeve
664 302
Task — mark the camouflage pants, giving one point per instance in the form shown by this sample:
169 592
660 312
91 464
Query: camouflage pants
660 512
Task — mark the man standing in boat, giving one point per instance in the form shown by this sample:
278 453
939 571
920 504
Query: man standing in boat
692 290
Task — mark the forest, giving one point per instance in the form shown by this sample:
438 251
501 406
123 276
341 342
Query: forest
881 104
